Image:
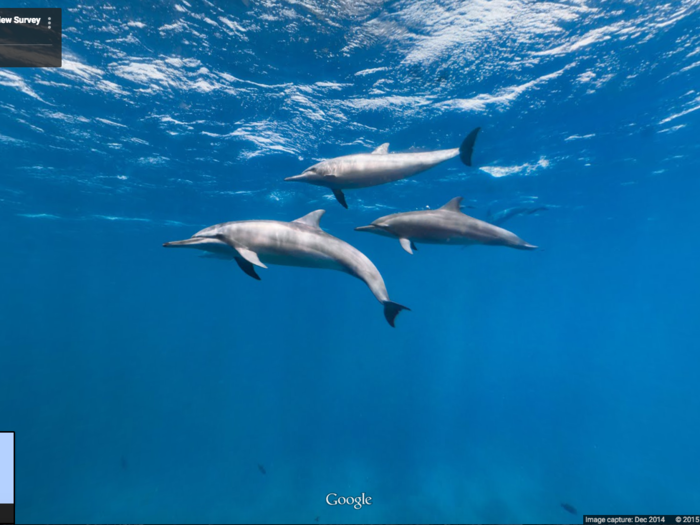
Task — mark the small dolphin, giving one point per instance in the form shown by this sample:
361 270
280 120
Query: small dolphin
298 243
502 216
569 508
446 225
379 167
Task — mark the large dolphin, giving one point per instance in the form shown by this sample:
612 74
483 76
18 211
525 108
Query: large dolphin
446 225
298 243
379 167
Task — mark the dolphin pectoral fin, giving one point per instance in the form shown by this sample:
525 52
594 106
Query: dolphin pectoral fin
382 150
467 147
406 244
250 256
391 310
247 268
341 198
413 246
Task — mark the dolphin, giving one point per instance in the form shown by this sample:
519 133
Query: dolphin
298 243
502 216
379 167
446 225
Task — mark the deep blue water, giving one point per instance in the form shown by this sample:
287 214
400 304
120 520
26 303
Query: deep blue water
148 385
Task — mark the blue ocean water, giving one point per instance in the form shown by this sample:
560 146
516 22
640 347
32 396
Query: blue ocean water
153 386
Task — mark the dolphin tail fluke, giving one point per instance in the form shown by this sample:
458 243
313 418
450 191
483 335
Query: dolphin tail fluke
467 147
341 198
391 310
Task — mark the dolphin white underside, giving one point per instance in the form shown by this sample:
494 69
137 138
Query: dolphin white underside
276 259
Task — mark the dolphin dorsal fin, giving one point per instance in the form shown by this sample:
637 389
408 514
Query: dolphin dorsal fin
312 219
382 150
453 205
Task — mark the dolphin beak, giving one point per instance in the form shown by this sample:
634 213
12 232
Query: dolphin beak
295 178
365 228
185 243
